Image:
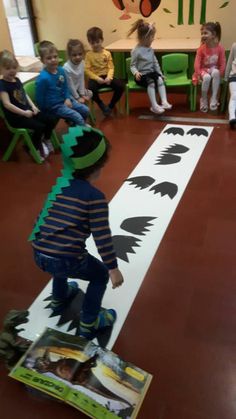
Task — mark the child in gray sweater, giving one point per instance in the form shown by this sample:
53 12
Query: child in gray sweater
145 67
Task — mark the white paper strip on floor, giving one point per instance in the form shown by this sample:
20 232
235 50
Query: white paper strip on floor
139 215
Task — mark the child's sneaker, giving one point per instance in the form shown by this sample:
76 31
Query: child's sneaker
203 105
106 110
213 105
166 105
49 145
106 318
45 150
158 110
58 306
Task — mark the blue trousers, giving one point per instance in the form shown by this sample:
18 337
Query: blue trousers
77 114
89 269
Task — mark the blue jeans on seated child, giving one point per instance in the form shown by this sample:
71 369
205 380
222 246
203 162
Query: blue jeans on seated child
89 269
77 114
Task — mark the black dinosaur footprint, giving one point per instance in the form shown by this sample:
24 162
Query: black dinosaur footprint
174 131
168 157
176 149
141 182
71 315
124 245
198 132
165 188
137 225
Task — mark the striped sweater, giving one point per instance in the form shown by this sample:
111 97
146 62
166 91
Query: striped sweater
79 211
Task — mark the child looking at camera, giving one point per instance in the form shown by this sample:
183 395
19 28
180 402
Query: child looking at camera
52 93
99 68
74 69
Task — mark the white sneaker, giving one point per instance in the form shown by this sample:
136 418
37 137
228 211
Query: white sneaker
213 105
46 151
203 105
158 110
49 145
166 105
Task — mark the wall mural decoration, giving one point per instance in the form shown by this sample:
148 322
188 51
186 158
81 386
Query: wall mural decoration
146 7
143 7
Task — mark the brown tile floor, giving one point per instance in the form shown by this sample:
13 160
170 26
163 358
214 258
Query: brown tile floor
182 325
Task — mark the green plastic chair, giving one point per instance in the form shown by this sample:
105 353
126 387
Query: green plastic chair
29 88
175 69
131 85
17 134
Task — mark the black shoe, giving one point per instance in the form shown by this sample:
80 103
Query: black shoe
232 123
105 109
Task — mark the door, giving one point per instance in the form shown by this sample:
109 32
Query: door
21 26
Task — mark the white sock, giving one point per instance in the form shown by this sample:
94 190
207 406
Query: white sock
206 80
162 90
152 95
215 85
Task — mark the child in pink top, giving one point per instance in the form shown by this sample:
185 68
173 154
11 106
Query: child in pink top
209 64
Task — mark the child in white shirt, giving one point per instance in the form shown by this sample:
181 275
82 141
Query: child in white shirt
74 69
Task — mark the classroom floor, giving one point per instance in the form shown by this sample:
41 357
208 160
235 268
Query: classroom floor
182 325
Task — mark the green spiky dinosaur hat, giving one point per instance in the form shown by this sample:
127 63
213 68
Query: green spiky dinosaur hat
71 163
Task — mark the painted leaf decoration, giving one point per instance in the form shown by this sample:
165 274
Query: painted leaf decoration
224 5
166 10
171 26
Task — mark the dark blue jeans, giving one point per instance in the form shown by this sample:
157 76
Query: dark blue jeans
89 269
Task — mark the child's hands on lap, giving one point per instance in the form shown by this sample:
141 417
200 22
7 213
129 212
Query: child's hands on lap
35 110
138 76
107 81
28 114
100 80
68 103
116 278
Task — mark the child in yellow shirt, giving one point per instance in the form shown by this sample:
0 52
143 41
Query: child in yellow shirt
99 68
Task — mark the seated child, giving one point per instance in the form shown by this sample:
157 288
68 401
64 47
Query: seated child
52 93
74 69
209 65
145 67
67 220
99 68
19 109
230 76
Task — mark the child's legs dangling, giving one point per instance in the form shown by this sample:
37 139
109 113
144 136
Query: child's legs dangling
206 80
63 111
118 88
81 108
215 75
232 101
162 90
151 91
